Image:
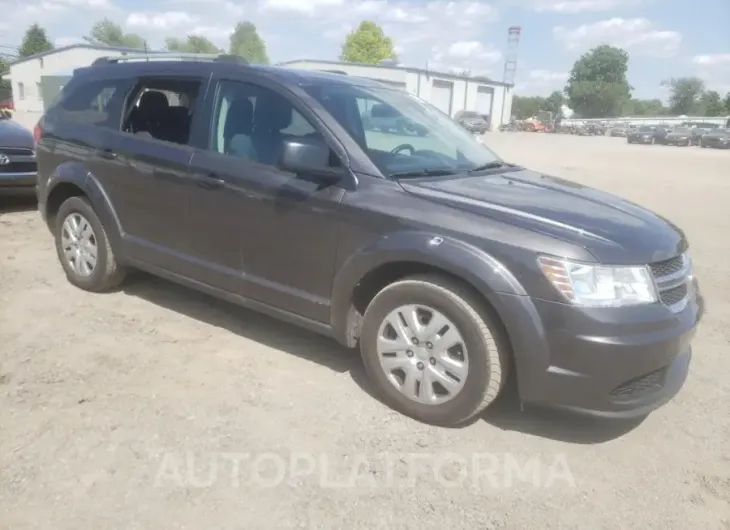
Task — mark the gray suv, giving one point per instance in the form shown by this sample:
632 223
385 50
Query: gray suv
452 270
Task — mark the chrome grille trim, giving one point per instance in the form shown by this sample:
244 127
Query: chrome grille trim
671 275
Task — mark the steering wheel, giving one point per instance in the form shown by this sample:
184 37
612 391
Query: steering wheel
403 147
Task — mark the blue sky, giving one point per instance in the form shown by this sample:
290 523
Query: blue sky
664 37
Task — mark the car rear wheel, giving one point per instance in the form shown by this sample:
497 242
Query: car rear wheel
83 247
432 352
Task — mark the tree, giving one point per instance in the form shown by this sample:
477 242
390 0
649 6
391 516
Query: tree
644 107
710 104
5 89
727 103
524 107
554 103
597 87
246 42
193 44
684 94
35 41
367 44
108 33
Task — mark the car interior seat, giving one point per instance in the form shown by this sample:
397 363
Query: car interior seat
149 114
237 130
272 114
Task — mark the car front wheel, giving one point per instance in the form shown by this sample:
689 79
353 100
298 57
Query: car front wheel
432 351
84 249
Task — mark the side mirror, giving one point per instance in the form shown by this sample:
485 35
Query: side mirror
311 159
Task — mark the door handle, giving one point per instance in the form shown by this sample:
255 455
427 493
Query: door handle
209 181
107 154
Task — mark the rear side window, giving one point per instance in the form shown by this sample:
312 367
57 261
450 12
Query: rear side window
97 102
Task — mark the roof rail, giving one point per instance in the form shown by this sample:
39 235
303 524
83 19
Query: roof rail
171 56
341 72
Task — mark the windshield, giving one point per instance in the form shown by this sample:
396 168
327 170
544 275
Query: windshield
646 128
681 130
415 138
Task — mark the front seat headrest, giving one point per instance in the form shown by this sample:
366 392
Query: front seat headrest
239 119
154 101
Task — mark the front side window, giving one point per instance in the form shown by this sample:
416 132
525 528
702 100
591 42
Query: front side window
253 122
400 132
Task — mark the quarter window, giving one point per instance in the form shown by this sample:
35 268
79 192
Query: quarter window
96 102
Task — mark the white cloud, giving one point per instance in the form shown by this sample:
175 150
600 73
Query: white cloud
580 6
541 82
717 59
303 6
163 21
637 35
464 56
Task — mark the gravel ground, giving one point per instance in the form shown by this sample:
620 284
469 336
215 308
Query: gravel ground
156 407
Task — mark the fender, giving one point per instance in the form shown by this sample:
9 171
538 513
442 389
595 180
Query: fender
71 173
461 259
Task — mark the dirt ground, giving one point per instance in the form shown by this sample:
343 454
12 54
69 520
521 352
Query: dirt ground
159 408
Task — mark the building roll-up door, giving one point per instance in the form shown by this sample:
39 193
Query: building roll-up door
442 94
485 95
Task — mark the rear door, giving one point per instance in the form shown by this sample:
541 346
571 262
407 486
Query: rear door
149 180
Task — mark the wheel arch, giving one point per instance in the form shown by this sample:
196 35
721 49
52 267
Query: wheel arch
71 181
397 256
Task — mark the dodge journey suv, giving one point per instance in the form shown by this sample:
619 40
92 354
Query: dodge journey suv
451 269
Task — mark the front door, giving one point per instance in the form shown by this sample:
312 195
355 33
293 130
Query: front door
262 232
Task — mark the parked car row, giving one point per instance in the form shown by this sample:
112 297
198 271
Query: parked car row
680 136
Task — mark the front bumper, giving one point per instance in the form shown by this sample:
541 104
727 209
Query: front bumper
17 183
606 362
677 141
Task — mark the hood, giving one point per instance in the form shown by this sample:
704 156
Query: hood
12 134
678 134
615 231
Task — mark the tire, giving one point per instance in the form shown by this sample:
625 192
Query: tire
486 349
106 273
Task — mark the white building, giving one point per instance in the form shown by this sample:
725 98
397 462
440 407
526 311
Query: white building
26 74
450 93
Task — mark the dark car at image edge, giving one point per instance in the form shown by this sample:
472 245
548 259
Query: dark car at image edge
17 160
450 269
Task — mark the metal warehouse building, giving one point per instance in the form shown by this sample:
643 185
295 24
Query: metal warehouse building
43 74
449 92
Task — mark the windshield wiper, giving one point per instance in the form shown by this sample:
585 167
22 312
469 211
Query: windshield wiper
423 173
489 165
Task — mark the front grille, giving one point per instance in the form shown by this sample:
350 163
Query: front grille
674 295
667 267
672 279
19 167
16 151
646 383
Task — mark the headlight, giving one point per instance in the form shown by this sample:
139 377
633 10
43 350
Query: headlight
594 285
